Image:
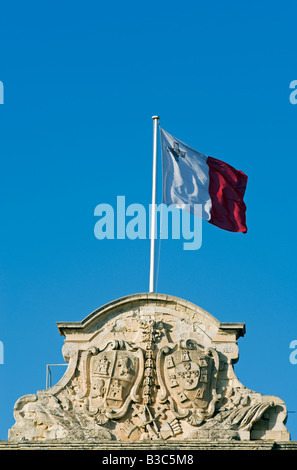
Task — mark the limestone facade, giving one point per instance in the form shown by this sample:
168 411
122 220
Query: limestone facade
149 367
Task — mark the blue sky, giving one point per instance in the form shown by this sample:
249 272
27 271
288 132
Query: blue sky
81 83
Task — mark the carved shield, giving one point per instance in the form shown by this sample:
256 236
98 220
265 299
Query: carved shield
115 377
188 375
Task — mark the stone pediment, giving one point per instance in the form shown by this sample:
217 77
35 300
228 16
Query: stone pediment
149 367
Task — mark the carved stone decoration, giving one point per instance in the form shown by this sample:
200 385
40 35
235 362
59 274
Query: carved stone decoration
149 367
187 375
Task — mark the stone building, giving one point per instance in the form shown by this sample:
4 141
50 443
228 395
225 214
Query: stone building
150 371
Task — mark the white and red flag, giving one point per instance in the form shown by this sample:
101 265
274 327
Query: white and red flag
191 178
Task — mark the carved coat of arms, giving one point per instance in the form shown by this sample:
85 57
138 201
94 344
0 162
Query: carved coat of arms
115 375
187 374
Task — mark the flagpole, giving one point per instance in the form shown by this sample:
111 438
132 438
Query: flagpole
153 213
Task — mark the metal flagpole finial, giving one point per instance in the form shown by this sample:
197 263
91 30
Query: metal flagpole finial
155 117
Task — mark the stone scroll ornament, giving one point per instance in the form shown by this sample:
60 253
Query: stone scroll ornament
139 374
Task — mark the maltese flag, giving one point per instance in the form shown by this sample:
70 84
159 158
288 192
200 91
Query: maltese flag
190 178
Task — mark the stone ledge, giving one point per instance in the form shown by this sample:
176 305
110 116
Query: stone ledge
150 446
